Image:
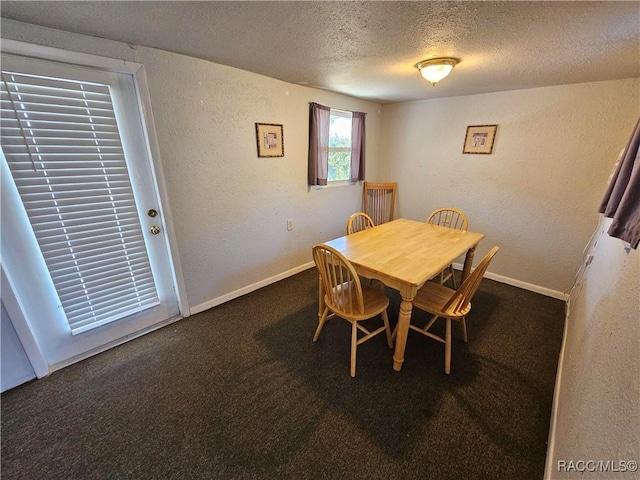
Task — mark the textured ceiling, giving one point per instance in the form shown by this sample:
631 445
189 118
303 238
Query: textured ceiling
369 49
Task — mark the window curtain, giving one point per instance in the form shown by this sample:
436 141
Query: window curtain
318 143
357 147
622 199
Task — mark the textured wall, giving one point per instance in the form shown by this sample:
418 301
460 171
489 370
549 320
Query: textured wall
534 196
229 207
537 194
598 413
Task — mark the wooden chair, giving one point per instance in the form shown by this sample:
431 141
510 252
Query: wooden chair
449 217
441 301
452 218
359 221
345 296
379 200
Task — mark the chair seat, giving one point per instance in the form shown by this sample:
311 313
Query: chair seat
433 297
375 302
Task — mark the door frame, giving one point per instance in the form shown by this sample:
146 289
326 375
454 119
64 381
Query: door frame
21 326
35 353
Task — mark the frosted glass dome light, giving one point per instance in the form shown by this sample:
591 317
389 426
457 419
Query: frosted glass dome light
435 69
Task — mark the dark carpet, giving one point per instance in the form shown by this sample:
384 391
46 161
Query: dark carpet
241 392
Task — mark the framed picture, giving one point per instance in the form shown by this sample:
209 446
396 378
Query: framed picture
270 140
479 139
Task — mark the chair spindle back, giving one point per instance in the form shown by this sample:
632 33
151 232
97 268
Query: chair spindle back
461 299
359 221
449 217
379 201
342 287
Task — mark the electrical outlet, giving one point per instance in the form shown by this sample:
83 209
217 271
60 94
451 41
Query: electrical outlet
289 224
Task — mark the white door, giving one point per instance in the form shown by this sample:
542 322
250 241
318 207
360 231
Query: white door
74 141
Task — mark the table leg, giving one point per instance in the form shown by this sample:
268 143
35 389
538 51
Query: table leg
404 317
468 263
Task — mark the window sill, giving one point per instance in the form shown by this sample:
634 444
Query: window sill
341 183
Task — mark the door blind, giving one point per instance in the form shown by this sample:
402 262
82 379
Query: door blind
60 139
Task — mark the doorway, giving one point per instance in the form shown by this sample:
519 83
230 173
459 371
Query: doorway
83 221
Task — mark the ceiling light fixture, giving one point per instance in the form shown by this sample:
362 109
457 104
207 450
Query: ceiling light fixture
435 69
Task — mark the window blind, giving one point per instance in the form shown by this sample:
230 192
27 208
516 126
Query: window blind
60 139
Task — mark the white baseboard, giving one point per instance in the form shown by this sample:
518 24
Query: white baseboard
528 286
281 276
524 285
549 468
249 288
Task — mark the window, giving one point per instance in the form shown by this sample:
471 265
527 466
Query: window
339 146
336 145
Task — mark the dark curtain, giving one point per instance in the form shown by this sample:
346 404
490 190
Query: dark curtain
318 143
622 199
357 146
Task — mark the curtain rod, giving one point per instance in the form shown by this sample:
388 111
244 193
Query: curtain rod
351 111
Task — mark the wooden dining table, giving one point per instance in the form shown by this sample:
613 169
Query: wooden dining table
404 254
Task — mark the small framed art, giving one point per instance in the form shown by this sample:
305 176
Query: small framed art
479 139
270 140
